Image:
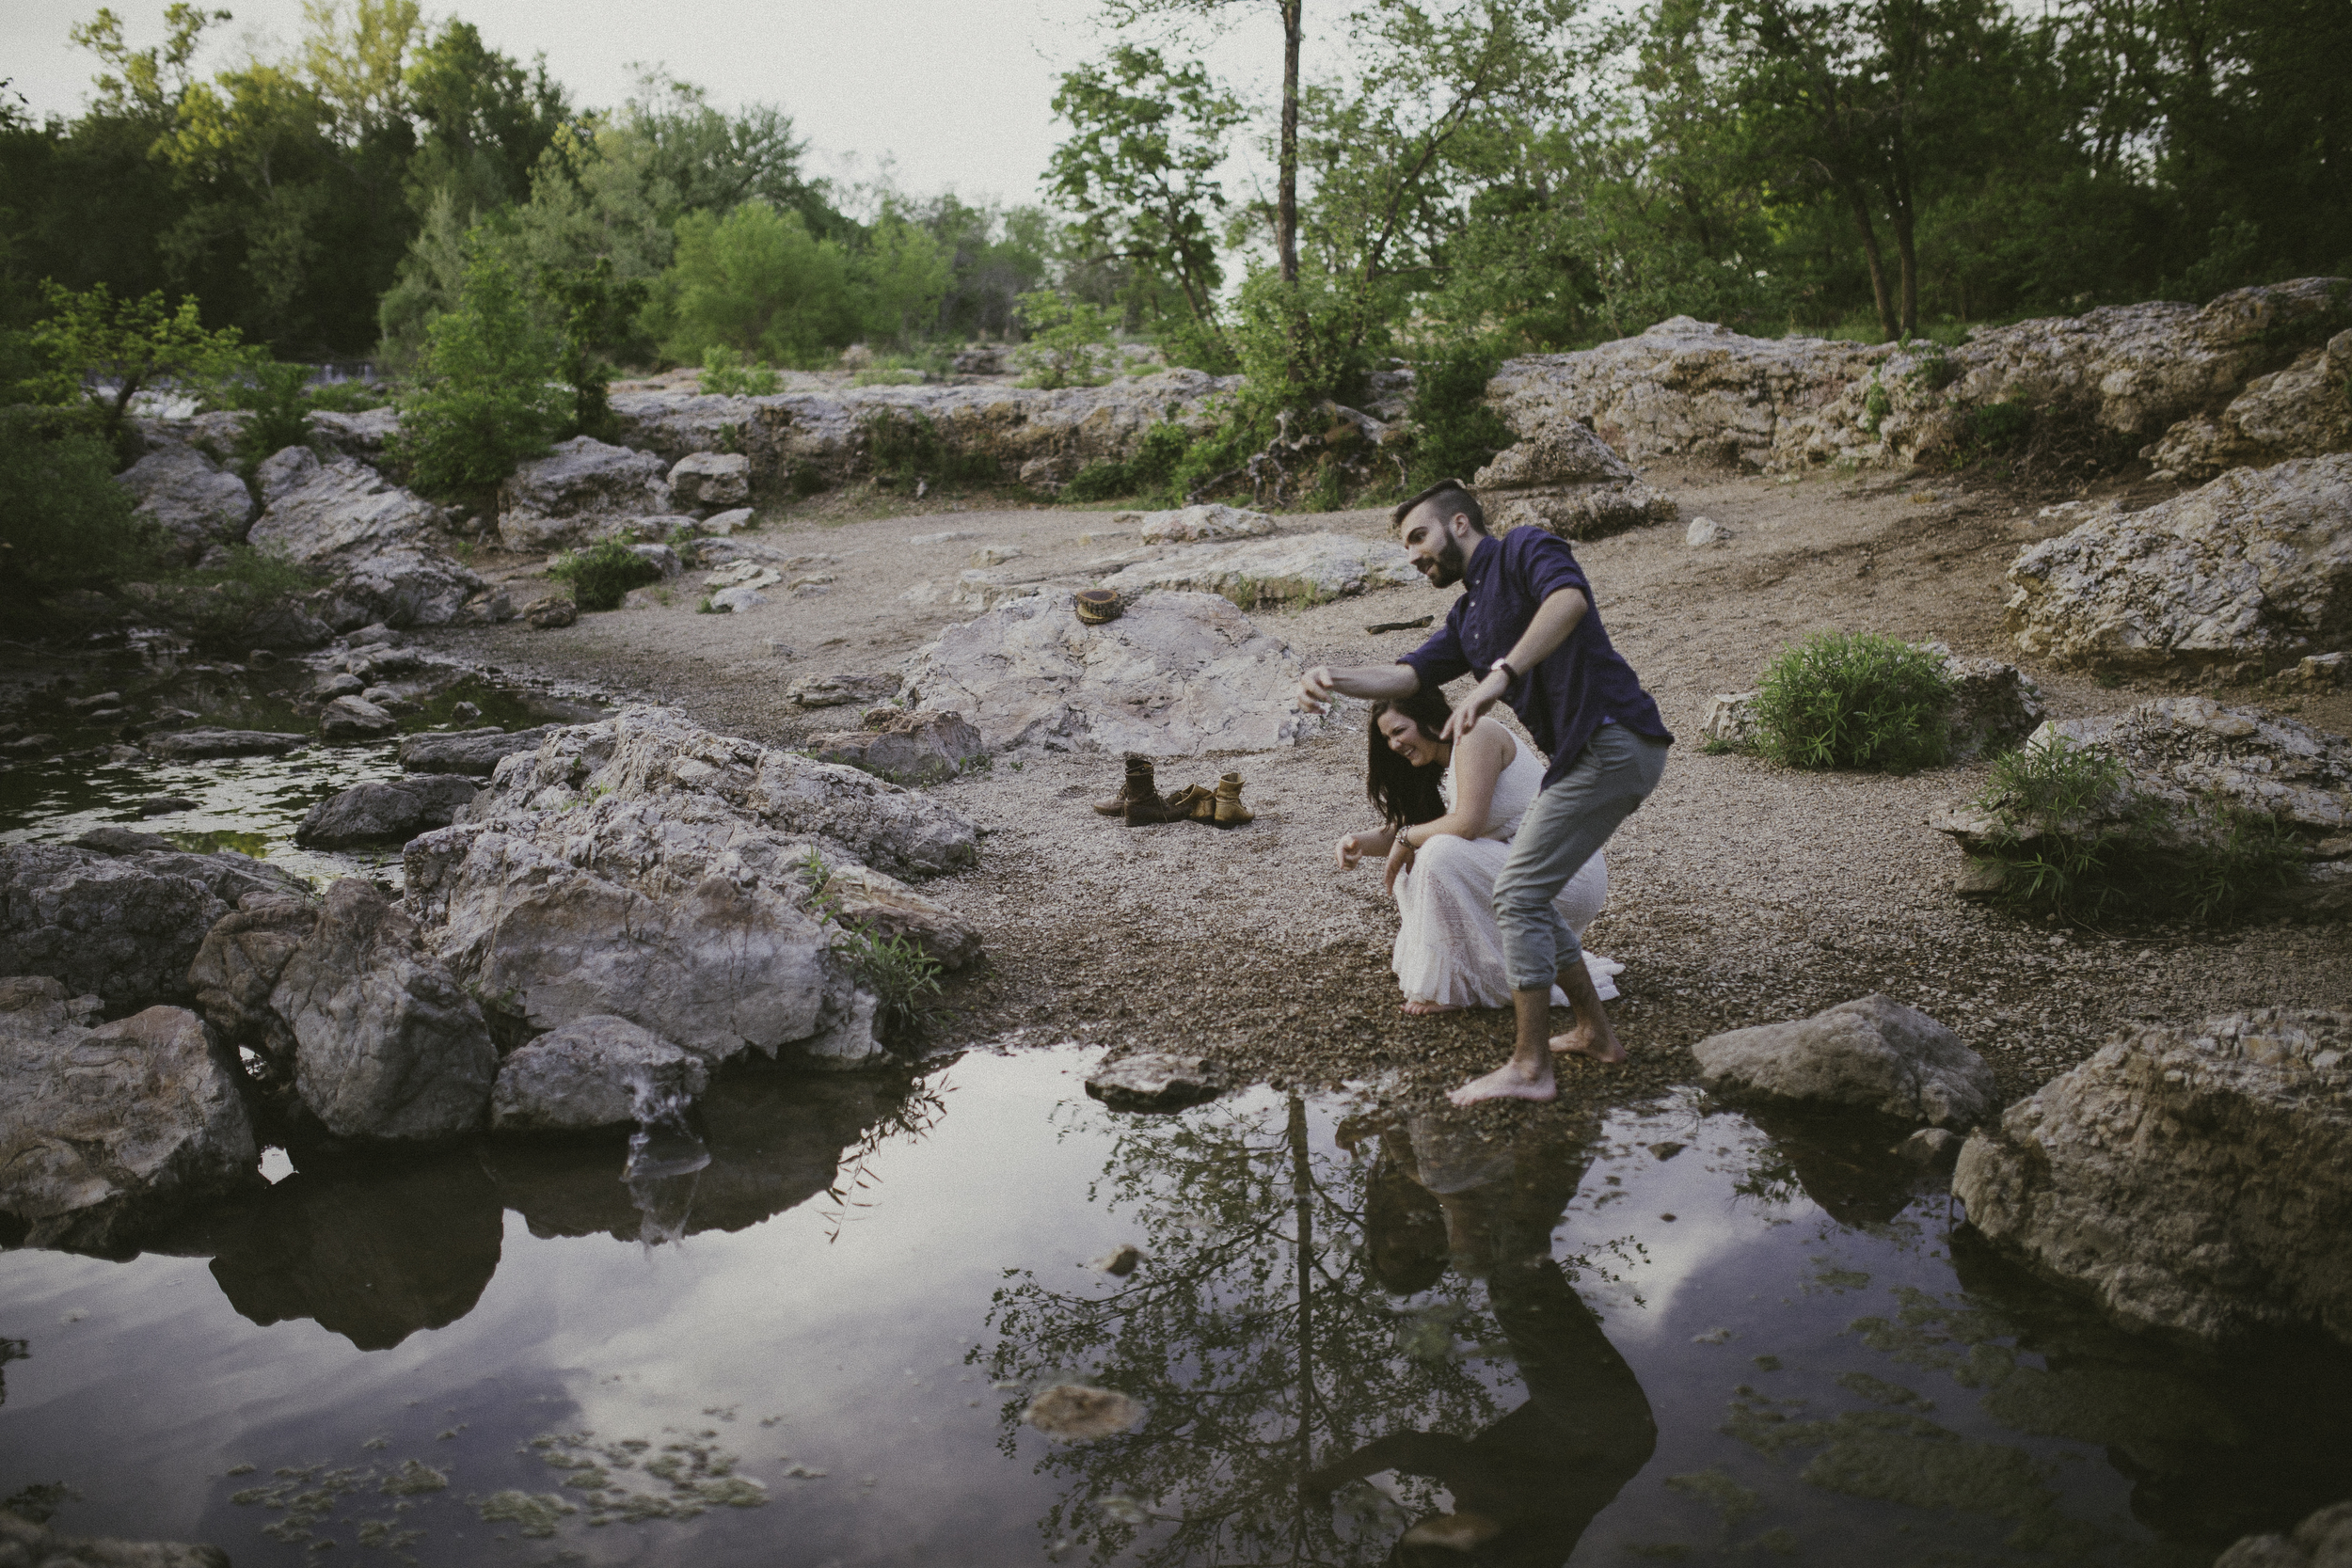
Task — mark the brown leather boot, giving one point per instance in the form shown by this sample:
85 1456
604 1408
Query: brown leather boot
1151 809
1139 786
1191 803
1230 812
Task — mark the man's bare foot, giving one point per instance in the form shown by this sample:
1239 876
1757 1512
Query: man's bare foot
1505 1083
1586 1041
1422 1009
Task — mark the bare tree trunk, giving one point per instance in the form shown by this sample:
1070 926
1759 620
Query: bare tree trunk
1286 190
1859 205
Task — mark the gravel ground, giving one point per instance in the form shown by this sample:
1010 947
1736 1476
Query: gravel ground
1741 894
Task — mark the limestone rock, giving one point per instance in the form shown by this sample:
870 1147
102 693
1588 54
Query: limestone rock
1994 706
2180 750
841 690
1152 1081
401 808
38 1548
1555 454
578 493
1731 718
1565 479
376 540
595 1071
649 753
1705 531
2302 411
387 1044
104 1131
237 966
710 480
1177 674
864 898
124 928
904 746
721 524
190 497
195 745
361 436
2197 1179
2255 566
355 718
1311 566
2320 672
475 752
1193 524
739 599
2322 1541
551 612
1873 1052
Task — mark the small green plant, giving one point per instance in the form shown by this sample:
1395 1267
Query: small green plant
1932 370
1994 430
904 978
1099 480
1855 700
602 573
727 374
64 523
219 603
346 396
1070 342
901 449
1877 402
273 395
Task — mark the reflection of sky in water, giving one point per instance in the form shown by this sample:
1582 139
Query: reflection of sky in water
848 1325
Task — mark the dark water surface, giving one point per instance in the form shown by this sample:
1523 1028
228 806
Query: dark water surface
1350 1338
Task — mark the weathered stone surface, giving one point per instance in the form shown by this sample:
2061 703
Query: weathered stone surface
1176 675
386 1043
238 964
361 436
710 481
661 558
35 1546
1313 566
2302 411
193 745
1689 387
863 897
2197 1179
1873 1052
190 497
1152 1081
649 753
1705 532
1192 524
104 1131
1565 479
2254 567
552 612
841 690
124 928
475 752
738 599
355 718
400 808
1730 719
579 492
376 540
2180 750
2322 1541
595 1072
904 746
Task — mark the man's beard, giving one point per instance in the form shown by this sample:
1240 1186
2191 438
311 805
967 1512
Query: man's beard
1446 567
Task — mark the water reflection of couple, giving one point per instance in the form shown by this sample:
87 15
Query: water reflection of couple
1525 1488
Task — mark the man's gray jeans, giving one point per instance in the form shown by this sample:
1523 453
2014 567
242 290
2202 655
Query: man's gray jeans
1569 822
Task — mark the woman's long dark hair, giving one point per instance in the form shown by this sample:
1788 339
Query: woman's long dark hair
1402 793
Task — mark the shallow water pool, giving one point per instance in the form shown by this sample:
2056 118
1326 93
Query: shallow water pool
1669 1335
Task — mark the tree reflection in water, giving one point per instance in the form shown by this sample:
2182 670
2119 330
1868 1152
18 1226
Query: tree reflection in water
1291 1335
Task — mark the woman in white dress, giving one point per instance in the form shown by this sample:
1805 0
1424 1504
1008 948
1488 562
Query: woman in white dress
1450 812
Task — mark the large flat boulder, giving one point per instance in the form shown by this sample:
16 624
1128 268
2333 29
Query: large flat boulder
395 809
473 752
191 497
595 1072
106 1131
387 1044
361 436
1873 1052
118 927
2253 569
581 491
710 481
1305 566
378 542
199 744
1177 674
2192 1179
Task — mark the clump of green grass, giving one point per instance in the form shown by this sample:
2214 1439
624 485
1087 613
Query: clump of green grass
726 374
601 574
217 603
1855 700
902 978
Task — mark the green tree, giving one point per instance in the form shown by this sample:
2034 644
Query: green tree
759 282
93 345
483 122
488 394
64 522
598 314
901 276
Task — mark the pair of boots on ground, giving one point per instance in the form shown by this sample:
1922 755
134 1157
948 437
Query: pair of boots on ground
1140 800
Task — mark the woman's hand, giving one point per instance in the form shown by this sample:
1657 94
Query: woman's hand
1400 859
1351 850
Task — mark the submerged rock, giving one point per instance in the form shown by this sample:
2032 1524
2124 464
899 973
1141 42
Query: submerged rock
2193 1179
581 491
595 1072
1152 1081
387 1044
1082 1414
190 497
401 809
474 753
1309 566
1177 674
376 540
2254 568
1873 1052
197 745
106 1131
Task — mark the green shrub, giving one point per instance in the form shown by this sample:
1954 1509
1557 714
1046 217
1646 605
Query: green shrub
489 395
273 395
64 522
602 573
1996 429
1854 699
1100 482
901 449
217 603
727 374
348 397
1301 343
1457 433
1070 343
759 282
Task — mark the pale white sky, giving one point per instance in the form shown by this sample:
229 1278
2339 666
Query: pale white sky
958 94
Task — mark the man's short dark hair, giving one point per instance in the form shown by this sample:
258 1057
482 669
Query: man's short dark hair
1451 497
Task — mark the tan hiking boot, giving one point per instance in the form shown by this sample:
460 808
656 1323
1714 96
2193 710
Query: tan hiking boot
1191 803
1139 786
1230 812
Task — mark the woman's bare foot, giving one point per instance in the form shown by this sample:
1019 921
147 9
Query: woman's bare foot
1507 1083
1586 1041
1422 1009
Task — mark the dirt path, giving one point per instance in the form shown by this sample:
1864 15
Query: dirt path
1741 894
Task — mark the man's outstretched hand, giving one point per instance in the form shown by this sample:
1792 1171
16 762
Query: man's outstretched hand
1316 689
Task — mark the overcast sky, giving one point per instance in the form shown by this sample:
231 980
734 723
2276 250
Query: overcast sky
958 94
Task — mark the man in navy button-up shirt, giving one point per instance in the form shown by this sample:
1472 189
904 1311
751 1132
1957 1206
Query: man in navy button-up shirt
1527 623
